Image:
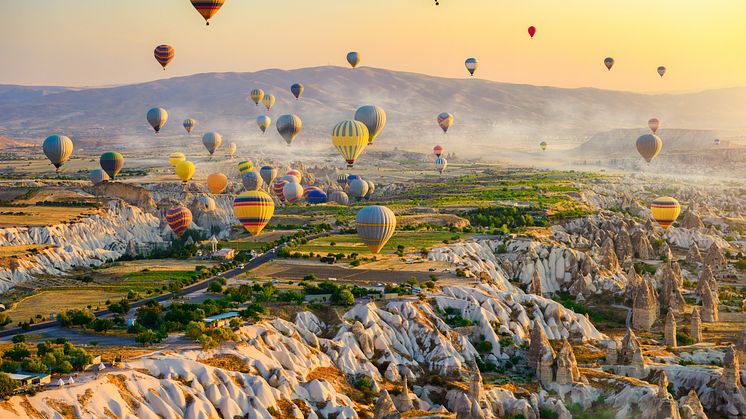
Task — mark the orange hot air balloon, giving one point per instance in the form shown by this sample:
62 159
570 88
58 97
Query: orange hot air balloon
179 218
217 182
207 8
164 54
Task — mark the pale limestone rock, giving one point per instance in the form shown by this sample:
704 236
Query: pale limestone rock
694 255
664 251
690 219
607 256
535 287
740 348
696 326
691 407
710 312
714 258
671 296
666 405
729 396
623 245
644 306
385 408
670 329
565 365
706 277
641 243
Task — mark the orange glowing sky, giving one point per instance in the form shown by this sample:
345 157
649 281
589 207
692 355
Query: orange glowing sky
103 42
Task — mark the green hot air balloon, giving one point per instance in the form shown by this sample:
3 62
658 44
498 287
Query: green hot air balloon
374 117
157 118
58 149
375 226
111 162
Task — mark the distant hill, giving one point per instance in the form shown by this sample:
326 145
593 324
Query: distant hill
485 111
621 142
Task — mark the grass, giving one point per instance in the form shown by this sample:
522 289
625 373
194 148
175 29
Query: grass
34 216
7 251
58 300
351 243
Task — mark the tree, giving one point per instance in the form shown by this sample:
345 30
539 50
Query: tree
291 296
207 342
150 315
102 325
344 298
412 280
63 367
215 287
122 307
17 352
194 330
19 338
9 366
7 385
146 337
310 277
34 364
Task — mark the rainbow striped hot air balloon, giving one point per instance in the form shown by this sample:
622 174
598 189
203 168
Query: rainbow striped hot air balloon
665 211
245 166
207 8
277 189
445 120
164 54
111 162
296 173
253 209
375 226
263 121
179 218
350 138
58 149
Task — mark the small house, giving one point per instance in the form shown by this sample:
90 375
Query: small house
220 320
317 298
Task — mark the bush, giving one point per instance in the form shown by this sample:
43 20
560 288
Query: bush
102 325
7 385
19 338
146 337
215 287
17 352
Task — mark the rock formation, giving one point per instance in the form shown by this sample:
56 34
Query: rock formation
740 348
690 219
623 245
691 407
566 367
666 407
694 256
540 354
644 306
696 326
714 258
664 252
628 355
706 277
385 408
535 287
607 256
669 331
710 313
728 393
671 296
641 243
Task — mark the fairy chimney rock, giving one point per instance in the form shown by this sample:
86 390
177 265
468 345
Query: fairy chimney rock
669 331
694 255
696 326
709 312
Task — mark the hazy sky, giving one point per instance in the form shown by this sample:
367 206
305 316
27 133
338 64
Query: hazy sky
102 42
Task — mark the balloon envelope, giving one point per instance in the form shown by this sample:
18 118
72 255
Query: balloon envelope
374 118
268 174
371 189
297 90
189 124
353 58
212 141
164 54
339 197
157 118
277 187
471 64
445 120
661 71
217 182
438 150
176 158
543 145
253 209
184 170
649 145
350 138
257 95
206 202
440 164
97 176
654 124
179 218
252 181
112 162
289 127
665 211
58 149
292 192
207 8
245 166
316 196
297 173
531 31
231 150
375 226
268 101
609 62
358 188
263 121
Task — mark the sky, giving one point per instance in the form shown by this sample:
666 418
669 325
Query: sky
106 42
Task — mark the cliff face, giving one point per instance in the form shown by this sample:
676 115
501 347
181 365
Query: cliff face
91 241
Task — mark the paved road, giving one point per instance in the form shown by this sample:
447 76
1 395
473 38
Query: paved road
253 264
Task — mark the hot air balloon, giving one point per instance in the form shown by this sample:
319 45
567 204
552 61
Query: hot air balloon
609 62
231 150
217 182
289 127
471 64
112 162
316 196
189 124
297 173
342 179
176 158
375 226
358 188
164 54
212 141
438 150
264 122
97 176
252 181
157 118
350 178
268 174
440 164
371 189
543 145
207 8
649 145
257 95
297 90
531 31
184 170
179 218
374 118
292 192
717 141
253 209
245 166
653 124
268 101
350 138
661 71
58 149
445 120
665 211
339 197
206 202
353 58
288 179
277 187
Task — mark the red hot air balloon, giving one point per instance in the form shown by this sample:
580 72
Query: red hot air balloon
179 218
531 31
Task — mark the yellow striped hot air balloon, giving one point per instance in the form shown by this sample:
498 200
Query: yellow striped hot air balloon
217 182
185 170
253 209
268 101
375 226
189 124
257 95
231 150
207 8
245 166
665 211
176 158
350 138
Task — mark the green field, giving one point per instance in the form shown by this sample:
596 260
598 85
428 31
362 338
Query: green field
350 243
